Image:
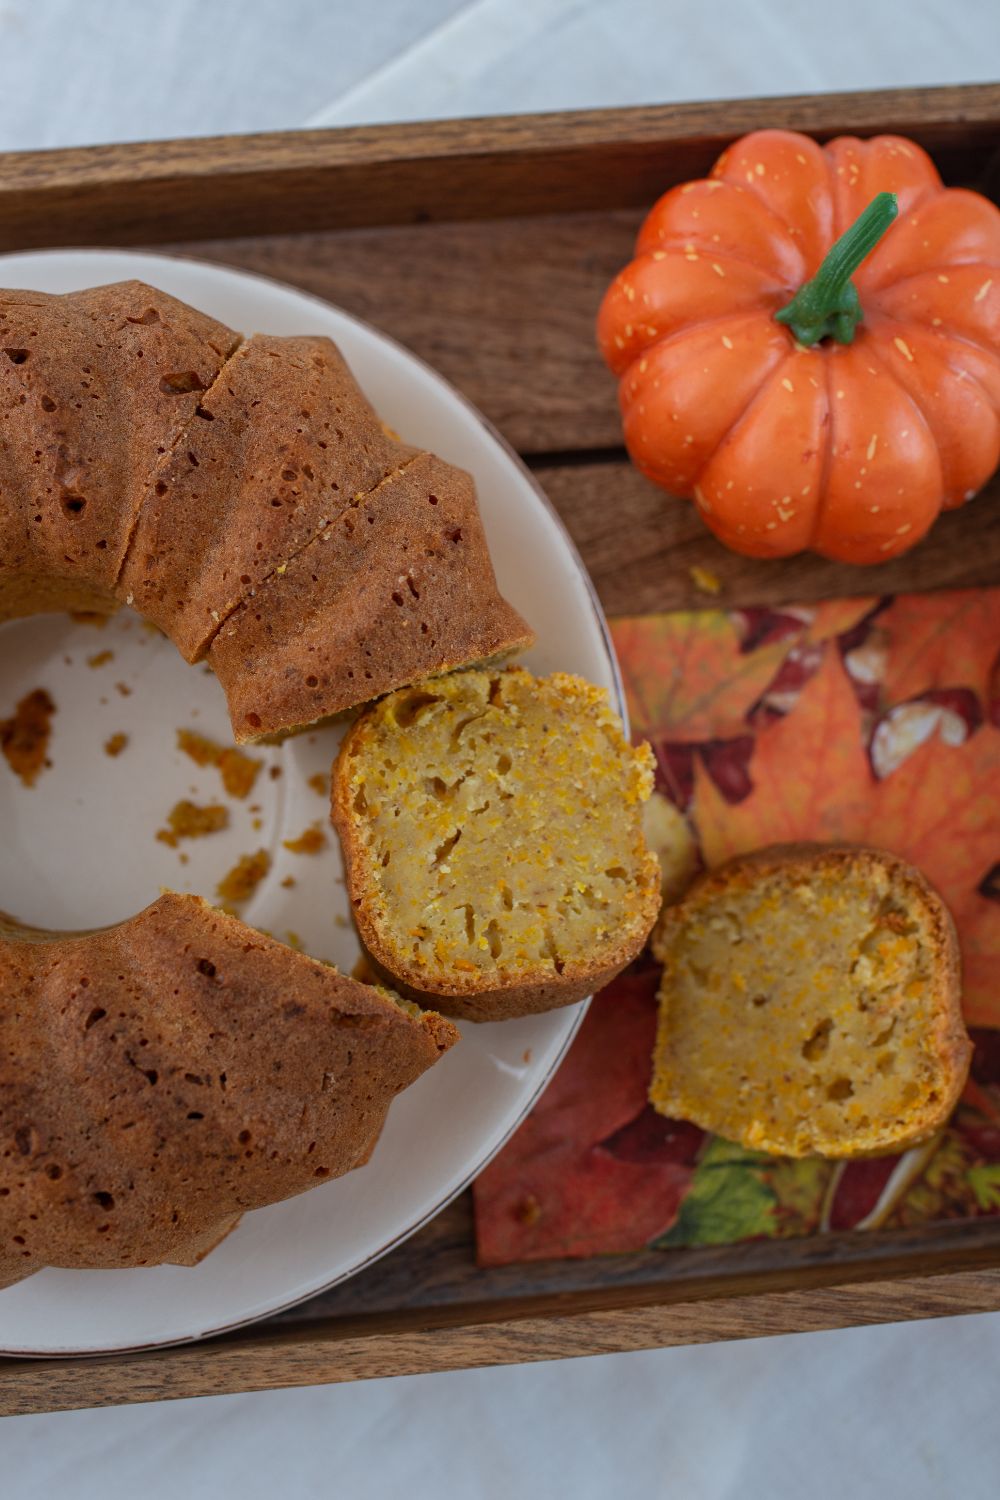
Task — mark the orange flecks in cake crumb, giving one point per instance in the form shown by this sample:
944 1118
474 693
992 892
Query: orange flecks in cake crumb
238 771
116 744
100 658
124 689
24 737
244 878
189 821
288 882
310 842
320 784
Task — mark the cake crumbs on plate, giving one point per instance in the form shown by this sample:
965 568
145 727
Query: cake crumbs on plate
293 940
100 658
24 737
310 842
189 821
116 743
239 771
288 882
274 772
124 689
704 580
244 878
320 784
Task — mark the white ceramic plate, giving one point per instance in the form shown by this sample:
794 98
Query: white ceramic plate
79 849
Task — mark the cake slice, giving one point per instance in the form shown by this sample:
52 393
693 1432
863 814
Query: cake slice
95 386
492 832
400 586
166 1075
281 445
810 1004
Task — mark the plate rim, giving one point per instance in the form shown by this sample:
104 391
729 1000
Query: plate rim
99 252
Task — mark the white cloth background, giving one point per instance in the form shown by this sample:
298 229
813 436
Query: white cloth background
890 1412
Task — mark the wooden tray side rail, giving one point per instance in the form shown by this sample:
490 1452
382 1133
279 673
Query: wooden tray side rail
453 169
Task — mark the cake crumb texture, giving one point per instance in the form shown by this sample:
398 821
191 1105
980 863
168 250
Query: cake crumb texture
492 824
810 1004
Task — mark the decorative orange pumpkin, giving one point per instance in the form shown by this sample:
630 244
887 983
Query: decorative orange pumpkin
806 393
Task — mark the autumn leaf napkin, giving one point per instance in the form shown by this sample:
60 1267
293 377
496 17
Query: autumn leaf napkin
869 720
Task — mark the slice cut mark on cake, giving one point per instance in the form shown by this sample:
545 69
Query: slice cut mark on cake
400 586
810 1004
285 442
492 831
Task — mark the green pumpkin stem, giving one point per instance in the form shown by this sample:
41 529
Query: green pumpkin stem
828 305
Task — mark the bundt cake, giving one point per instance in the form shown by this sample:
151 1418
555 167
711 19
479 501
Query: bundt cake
810 1004
160 1078
150 456
492 832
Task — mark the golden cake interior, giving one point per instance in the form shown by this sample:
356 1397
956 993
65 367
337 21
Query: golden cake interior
810 1009
490 839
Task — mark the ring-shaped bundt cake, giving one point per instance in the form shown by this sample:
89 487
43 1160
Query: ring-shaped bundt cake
160 1077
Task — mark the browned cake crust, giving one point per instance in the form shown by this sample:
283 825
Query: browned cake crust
94 387
400 586
811 1003
162 1077
281 444
151 457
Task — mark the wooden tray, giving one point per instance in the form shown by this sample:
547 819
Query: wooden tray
485 246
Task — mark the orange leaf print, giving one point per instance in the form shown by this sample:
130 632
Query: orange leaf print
686 678
941 640
838 616
811 776
940 809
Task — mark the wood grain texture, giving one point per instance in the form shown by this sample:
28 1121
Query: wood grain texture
436 1268
269 1358
505 311
450 169
640 546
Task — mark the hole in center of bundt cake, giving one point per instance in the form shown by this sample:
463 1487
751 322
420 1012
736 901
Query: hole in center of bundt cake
119 778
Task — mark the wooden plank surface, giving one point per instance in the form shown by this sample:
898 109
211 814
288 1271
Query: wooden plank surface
437 1269
505 310
450 169
270 1358
641 545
